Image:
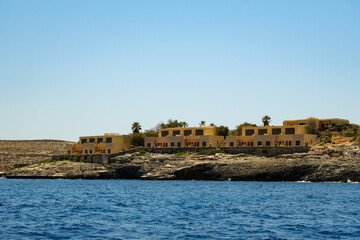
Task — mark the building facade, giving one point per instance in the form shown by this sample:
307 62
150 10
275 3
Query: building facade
104 144
317 123
184 137
273 136
292 133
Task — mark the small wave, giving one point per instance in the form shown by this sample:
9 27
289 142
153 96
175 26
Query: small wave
303 181
349 181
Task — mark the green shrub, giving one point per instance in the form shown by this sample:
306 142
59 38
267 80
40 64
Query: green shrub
50 160
327 138
207 152
64 157
210 151
140 152
180 154
278 156
351 134
137 139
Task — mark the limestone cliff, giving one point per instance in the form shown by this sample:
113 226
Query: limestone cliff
331 162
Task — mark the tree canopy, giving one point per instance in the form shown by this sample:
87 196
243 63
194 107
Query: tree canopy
173 123
202 124
266 120
151 133
238 129
137 139
222 131
136 127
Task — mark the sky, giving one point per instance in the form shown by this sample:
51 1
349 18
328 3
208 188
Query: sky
79 68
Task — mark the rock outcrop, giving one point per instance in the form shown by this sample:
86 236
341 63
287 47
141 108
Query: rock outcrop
62 169
330 163
333 163
340 163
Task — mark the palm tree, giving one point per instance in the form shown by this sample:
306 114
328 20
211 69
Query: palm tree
136 127
202 124
183 124
266 120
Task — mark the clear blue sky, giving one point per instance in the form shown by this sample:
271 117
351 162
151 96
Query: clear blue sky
71 68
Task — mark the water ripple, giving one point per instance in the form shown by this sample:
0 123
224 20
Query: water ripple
125 209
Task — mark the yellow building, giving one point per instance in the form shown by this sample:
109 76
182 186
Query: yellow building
185 137
107 143
273 136
318 123
292 133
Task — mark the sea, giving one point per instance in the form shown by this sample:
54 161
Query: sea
136 209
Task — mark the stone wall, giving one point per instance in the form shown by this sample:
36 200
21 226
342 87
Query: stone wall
265 151
259 151
105 159
89 158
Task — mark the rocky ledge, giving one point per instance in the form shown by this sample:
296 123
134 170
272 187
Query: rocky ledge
61 169
329 163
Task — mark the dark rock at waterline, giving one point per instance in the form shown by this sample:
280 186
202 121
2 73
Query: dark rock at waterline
339 163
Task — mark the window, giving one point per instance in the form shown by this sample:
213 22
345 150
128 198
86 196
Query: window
172 144
259 143
109 151
262 131
108 140
289 130
90 151
268 143
83 141
100 140
176 132
231 144
69 152
85 151
199 132
301 123
92 140
333 124
149 145
252 144
289 143
179 144
276 131
165 145
164 133
204 144
297 143
187 132
249 132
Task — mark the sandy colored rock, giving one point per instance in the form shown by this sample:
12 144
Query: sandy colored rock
62 169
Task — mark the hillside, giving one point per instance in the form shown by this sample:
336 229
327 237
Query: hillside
24 152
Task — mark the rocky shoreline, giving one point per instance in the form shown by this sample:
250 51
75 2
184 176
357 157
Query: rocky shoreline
327 163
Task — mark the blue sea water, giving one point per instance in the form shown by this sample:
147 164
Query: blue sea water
133 209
